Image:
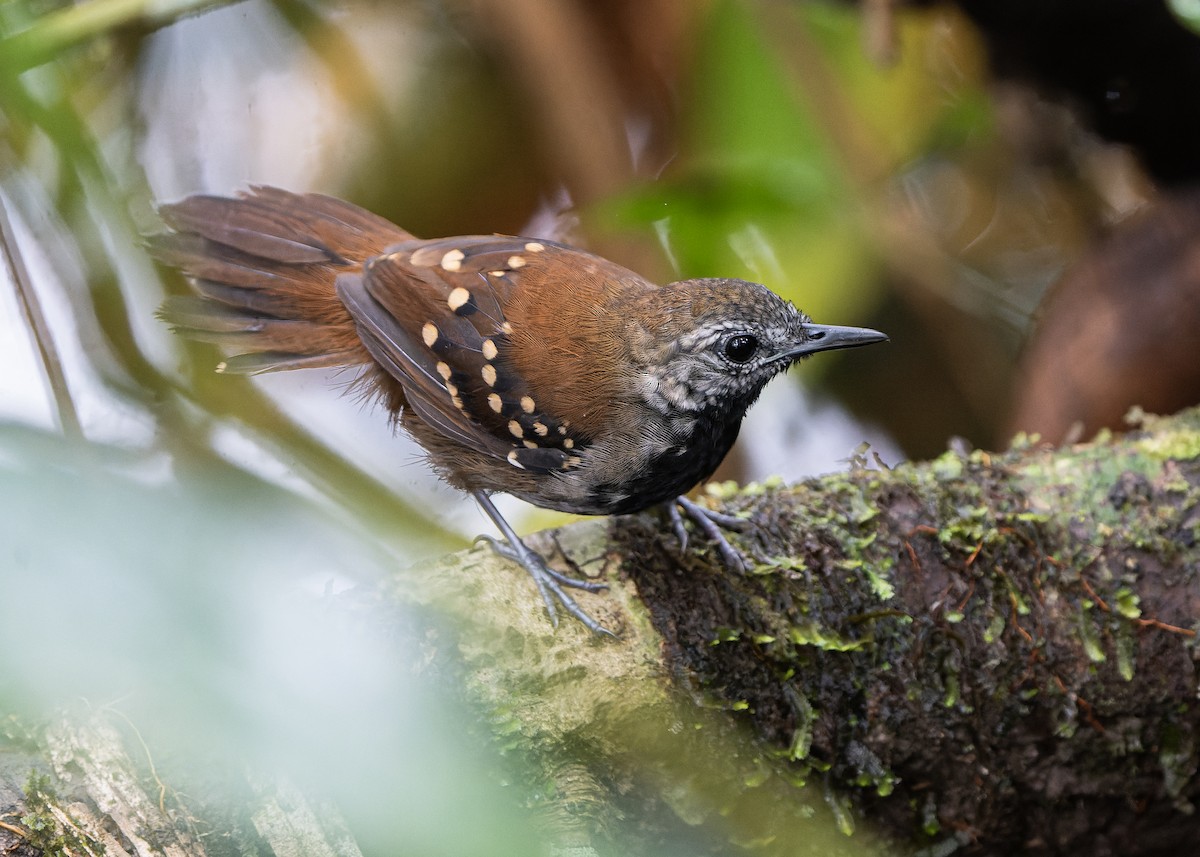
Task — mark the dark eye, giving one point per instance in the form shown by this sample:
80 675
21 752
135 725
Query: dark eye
740 348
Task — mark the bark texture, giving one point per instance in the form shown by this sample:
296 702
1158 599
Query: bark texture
81 787
997 648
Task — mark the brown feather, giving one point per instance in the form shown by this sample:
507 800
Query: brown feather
265 265
590 300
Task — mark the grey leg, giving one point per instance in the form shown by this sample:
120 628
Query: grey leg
549 582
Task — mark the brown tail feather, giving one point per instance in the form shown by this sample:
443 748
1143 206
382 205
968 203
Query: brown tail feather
264 265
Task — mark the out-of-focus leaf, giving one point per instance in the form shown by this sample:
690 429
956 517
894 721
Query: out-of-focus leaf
930 95
1187 11
48 35
220 617
788 131
759 193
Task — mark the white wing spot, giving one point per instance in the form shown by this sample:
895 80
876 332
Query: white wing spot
515 428
515 262
458 297
527 405
444 370
568 443
495 403
429 333
489 374
512 459
535 247
452 261
507 328
423 257
489 350
530 444
541 429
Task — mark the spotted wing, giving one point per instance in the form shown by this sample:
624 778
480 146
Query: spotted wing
431 313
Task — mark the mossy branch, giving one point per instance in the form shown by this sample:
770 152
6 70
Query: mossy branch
991 650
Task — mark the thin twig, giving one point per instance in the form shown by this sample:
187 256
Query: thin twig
68 417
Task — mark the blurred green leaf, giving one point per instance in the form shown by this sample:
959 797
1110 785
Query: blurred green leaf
789 127
46 36
1188 13
759 193
222 617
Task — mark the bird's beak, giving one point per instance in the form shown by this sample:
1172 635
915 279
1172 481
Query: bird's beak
828 337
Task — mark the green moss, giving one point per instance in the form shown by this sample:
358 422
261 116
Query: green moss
1126 651
726 635
994 629
880 585
802 736
1089 639
1180 445
1176 756
952 690
930 825
1125 602
947 466
728 490
826 639
44 830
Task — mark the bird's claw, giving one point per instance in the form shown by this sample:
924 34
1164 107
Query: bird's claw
711 523
676 520
550 583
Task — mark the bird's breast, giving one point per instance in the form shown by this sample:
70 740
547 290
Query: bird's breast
627 473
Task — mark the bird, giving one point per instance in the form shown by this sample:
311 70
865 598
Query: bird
520 365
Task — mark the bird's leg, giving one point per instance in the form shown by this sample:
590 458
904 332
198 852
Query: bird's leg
549 582
711 523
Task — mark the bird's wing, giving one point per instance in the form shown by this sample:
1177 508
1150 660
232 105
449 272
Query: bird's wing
431 313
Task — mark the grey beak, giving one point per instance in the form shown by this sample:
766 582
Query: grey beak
829 337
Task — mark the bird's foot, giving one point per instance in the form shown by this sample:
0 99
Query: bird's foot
711 524
550 583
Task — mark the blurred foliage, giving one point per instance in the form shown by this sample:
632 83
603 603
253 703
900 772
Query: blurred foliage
784 134
1187 11
178 605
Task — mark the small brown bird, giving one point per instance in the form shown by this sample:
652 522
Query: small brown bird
521 366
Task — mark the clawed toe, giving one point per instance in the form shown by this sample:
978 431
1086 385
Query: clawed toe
711 523
549 582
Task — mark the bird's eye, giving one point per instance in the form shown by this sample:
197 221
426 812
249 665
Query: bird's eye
740 348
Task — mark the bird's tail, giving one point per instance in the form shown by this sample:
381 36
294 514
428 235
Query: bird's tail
263 265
